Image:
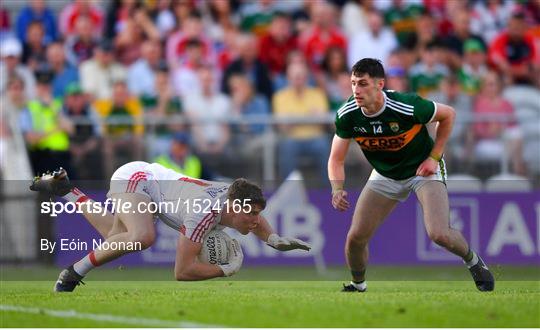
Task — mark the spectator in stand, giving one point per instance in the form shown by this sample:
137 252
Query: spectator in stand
490 133
121 137
182 11
323 34
474 67
180 158
375 42
190 28
248 64
36 10
185 78
354 16
401 16
70 14
45 128
162 106
141 74
135 29
13 102
212 107
118 12
275 46
219 19
531 9
426 32
64 73
461 32
333 65
256 16
164 18
80 45
85 139
224 49
245 104
34 47
513 52
301 101
396 79
491 17
450 94
426 75
10 53
5 23
99 73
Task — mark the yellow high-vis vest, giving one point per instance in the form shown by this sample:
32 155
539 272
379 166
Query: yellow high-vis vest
45 120
192 165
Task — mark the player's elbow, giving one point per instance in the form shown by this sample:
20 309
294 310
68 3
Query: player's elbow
449 113
180 276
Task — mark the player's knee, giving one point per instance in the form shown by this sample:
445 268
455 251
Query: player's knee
440 237
145 239
357 238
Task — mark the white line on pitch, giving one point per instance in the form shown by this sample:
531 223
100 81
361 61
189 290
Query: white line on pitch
107 317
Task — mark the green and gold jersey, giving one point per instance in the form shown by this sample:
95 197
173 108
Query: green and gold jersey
395 140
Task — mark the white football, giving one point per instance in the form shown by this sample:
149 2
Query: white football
215 249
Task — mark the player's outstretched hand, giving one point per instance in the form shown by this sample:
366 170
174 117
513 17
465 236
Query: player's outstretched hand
287 243
428 167
236 257
339 200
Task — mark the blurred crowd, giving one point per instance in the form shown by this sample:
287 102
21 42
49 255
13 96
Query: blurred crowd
96 83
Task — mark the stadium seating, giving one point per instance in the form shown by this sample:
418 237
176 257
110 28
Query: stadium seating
508 183
463 183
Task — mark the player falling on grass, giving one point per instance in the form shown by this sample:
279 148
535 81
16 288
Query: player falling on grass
142 183
391 130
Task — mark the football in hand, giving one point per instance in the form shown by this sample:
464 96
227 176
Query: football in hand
215 249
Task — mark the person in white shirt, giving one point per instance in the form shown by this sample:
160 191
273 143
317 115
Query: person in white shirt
375 42
100 73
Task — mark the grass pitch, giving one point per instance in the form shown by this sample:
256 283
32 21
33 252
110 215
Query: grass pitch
278 303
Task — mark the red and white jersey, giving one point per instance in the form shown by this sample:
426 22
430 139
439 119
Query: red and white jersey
188 205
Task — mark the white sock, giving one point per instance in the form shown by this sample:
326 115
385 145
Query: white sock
473 261
360 286
75 196
86 264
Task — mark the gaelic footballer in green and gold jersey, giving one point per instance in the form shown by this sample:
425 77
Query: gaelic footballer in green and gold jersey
390 127
395 140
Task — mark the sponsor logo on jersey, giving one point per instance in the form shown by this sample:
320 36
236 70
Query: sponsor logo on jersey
360 129
213 192
394 126
388 143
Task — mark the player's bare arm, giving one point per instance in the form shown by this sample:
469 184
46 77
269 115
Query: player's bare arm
336 172
444 116
188 267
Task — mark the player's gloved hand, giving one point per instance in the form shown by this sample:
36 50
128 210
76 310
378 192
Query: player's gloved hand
286 243
339 200
236 257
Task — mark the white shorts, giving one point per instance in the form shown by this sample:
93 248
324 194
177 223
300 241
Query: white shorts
400 189
132 178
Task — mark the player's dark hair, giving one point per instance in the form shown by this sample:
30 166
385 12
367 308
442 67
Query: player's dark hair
370 66
244 190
